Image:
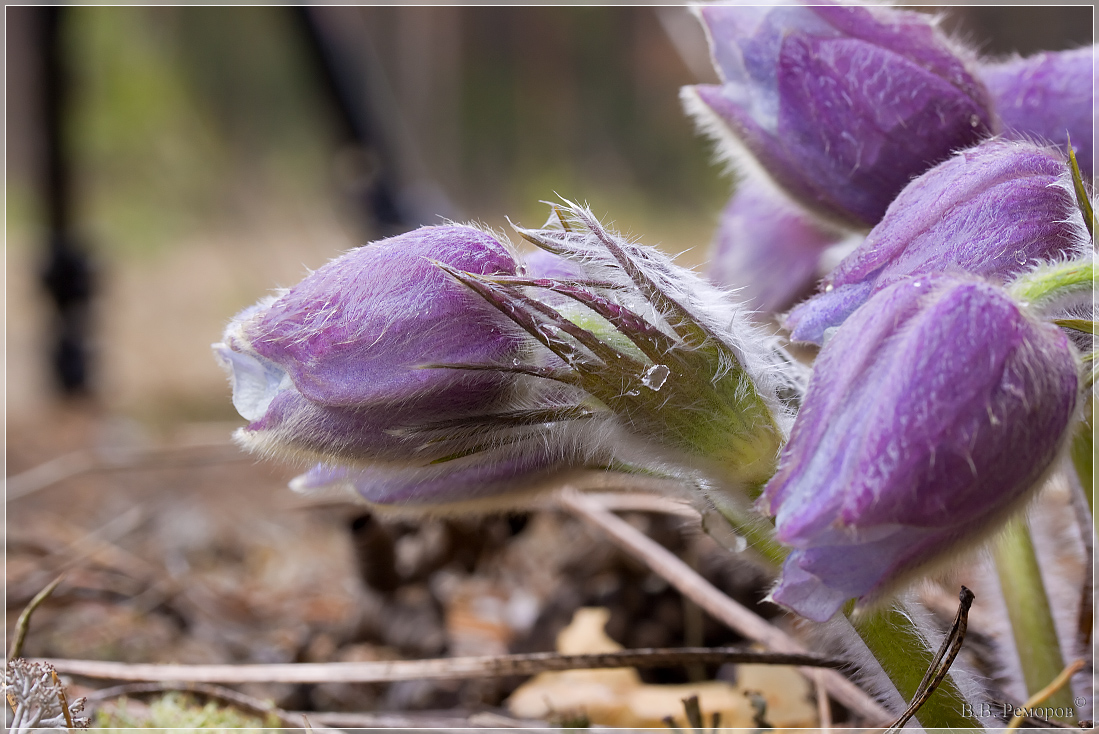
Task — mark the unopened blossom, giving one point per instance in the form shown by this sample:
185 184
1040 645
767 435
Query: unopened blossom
669 365
841 105
767 247
932 414
995 210
337 368
1048 96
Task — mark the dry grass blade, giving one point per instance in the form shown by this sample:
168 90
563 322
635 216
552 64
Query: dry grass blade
23 623
435 669
717 604
1055 685
940 666
76 463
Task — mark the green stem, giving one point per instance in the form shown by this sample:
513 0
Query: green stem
905 656
1048 283
1083 453
891 636
1029 612
755 529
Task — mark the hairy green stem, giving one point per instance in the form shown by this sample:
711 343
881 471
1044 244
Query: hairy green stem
1029 612
1049 283
891 636
1083 453
905 656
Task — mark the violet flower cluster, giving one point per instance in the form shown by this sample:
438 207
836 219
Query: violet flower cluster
446 369
842 106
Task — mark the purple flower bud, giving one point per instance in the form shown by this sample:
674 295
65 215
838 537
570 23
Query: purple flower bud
994 210
1047 96
842 105
768 248
931 415
333 367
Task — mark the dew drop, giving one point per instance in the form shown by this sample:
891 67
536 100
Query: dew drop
1020 257
633 393
655 377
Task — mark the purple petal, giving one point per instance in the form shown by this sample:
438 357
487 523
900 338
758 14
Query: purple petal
842 105
767 247
992 210
1049 97
932 412
355 331
477 479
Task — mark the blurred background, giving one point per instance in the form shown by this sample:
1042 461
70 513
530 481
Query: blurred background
211 154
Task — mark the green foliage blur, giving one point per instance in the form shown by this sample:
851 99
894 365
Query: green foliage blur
191 118
184 116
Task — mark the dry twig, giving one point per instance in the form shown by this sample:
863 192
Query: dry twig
677 573
940 665
23 623
488 666
84 461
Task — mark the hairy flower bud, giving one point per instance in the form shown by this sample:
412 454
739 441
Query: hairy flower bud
664 361
994 210
1047 96
931 415
842 105
767 247
335 367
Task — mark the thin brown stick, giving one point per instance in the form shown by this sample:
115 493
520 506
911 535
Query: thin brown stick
24 621
940 665
63 700
714 601
245 703
84 461
489 666
417 720
824 709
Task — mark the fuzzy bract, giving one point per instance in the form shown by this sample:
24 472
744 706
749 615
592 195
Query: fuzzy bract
1048 96
995 210
842 105
690 381
932 414
336 367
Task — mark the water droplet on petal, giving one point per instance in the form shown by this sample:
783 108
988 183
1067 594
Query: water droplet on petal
655 377
548 330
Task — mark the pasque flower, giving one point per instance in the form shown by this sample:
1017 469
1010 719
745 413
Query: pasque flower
767 247
672 369
1048 96
842 105
931 415
336 367
993 210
